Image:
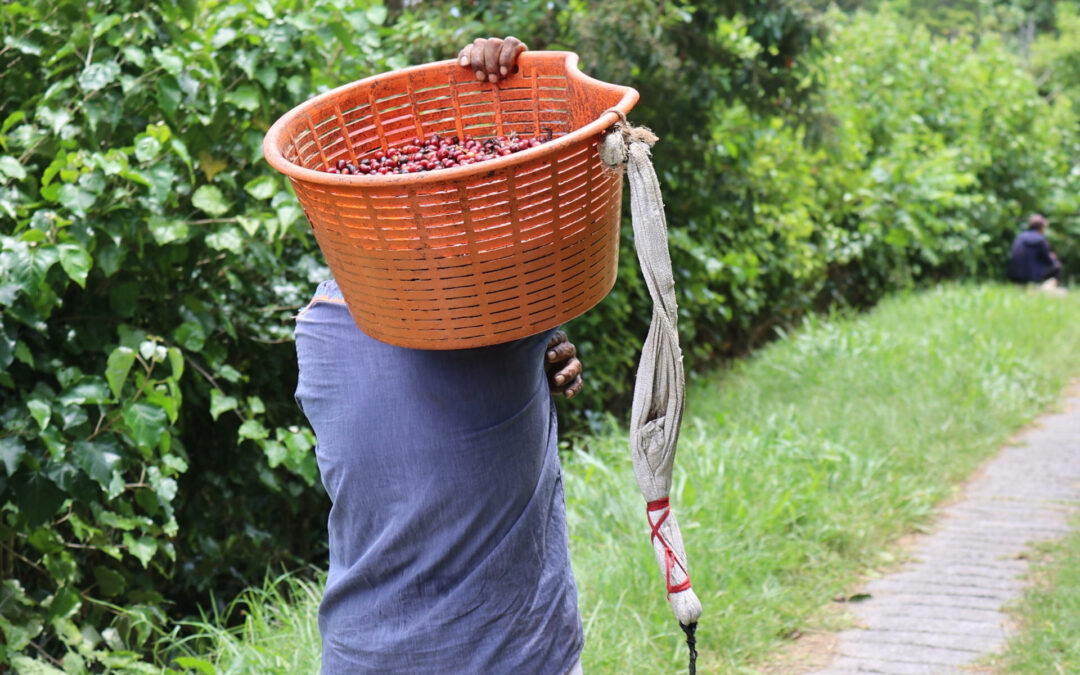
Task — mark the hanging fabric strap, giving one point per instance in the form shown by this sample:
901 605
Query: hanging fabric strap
660 387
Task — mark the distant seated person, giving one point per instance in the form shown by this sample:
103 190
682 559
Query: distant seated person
1031 260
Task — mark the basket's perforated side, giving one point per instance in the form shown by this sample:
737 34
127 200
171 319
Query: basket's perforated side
463 263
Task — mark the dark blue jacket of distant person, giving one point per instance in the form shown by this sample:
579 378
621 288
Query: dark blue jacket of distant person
1031 260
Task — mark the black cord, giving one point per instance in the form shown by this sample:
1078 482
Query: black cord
691 642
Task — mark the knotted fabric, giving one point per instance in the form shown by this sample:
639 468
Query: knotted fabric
660 388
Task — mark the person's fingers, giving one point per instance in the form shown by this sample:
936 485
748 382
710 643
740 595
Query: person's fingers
568 373
491 58
559 336
463 56
561 352
575 388
476 57
511 49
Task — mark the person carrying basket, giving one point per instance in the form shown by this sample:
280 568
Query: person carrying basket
448 542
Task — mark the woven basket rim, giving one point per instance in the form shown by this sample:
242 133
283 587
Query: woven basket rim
273 154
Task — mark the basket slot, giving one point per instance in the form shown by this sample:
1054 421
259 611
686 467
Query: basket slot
343 128
486 192
397 130
509 95
317 139
362 135
553 82
537 219
479 124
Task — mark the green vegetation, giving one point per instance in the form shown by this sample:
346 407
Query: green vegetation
1049 614
795 470
153 460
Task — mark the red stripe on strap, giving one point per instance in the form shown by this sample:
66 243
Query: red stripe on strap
670 560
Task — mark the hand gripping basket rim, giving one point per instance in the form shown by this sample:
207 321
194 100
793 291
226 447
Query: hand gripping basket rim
272 151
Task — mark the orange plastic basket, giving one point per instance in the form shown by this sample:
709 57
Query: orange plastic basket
467 256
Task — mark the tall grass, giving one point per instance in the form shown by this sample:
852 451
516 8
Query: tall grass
796 470
277 633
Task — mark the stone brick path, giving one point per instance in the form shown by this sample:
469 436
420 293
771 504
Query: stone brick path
943 610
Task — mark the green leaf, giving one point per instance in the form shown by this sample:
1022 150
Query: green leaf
22 44
142 548
222 37
11 451
164 488
147 148
24 665
7 349
220 403
168 94
135 55
376 14
98 75
174 463
76 262
113 162
226 239
118 367
23 354
268 77
167 230
209 199
176 361
38 498
110 582
229 373
262 187
61 565
250 225
104 24
190 336
10 167
275 452
110 257
192 663
169 61
98 459
86 390
11 120
40 411
75 198
145 424
253 429
66 601
245 96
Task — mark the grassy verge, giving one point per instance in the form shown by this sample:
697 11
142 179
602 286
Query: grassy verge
796 469
1048 616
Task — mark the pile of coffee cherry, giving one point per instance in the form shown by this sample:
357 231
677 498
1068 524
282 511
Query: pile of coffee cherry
436 152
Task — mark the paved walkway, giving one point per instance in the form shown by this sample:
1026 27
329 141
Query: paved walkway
943 610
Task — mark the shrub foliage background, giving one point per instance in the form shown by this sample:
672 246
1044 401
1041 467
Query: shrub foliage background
150 261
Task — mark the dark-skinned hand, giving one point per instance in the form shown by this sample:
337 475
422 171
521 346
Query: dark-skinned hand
491 58
562 366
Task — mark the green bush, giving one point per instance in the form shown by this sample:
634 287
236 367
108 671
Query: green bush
150 264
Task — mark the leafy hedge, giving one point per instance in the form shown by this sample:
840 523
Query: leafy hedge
151 449
150 261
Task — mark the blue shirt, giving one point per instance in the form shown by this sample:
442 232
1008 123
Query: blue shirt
1030 259
448 542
